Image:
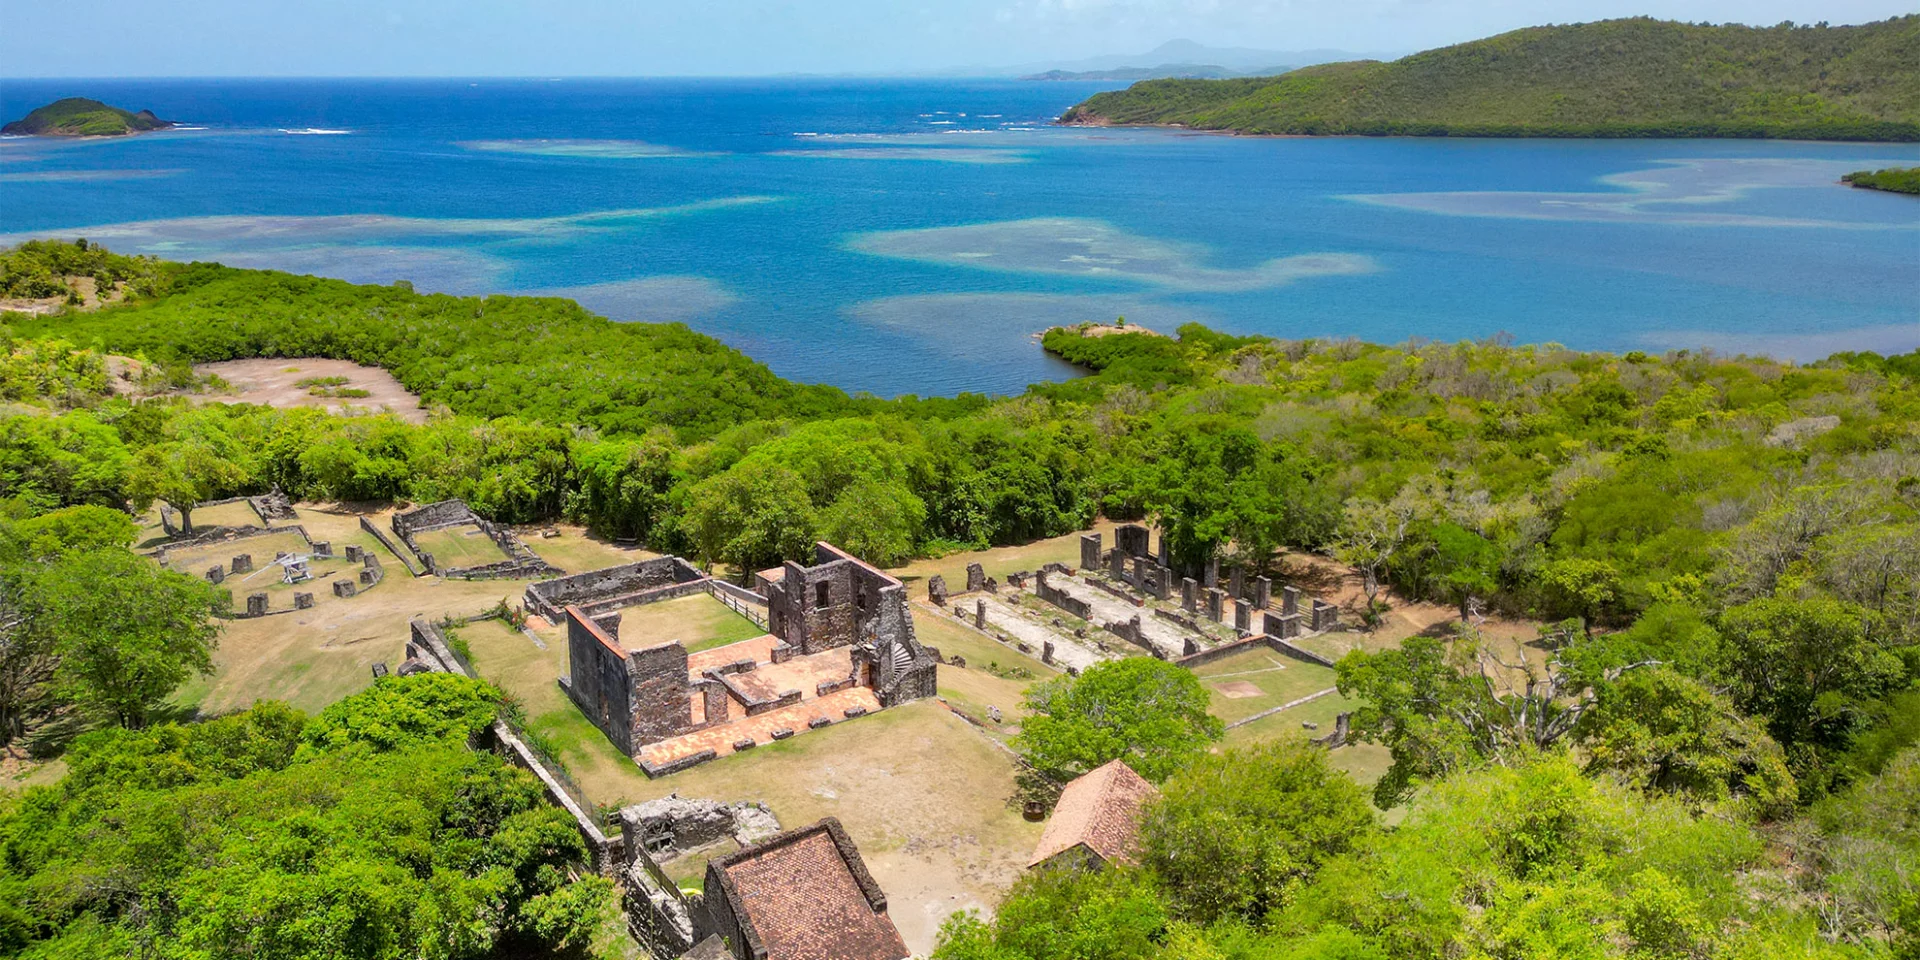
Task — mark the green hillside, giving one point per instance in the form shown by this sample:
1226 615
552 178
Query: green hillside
80 117
1615 78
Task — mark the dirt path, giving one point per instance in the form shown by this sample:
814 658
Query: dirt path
276 383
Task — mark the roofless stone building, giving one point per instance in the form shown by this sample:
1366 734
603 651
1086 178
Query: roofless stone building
840 644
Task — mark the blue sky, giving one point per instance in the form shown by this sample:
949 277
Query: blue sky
146 38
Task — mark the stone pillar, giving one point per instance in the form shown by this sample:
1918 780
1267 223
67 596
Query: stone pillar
353 552
1117 564
1270 624
1188 648
217 574
980 614
1131 539
937 590
426 560
1090 551
1289 599
1325 615
343 588
1212 577
1262 593
976 578
1166 556
243 563
1342 723
1046 652
303 601
1189 598
256 604
323 548
1214 597
713 701
1242 616
1239 580
1140 567
366 578
1289 626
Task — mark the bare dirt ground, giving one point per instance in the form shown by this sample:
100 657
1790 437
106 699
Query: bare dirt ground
272 382
84 286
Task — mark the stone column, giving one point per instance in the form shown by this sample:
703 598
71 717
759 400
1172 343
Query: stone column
1289 599
1140 567
243 563
216 574
323 548
980 614
1189 599
937 590
353 551
1214 597
976 578
1117 564
1325 615
1239 581
256 604
1090 551
1242 616
1262 593
1188 648
1212 577
1046 652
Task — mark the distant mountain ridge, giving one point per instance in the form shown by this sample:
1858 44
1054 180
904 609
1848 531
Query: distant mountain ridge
80 117
1182 55
1637 77
1178 71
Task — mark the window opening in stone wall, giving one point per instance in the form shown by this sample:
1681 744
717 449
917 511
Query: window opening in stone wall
820 596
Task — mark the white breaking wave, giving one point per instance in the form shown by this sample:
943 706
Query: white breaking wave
314 132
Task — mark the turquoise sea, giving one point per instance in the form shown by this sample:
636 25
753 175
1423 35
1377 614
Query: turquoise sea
911 236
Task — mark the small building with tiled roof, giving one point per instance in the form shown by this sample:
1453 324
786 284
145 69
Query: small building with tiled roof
801 895
1097 820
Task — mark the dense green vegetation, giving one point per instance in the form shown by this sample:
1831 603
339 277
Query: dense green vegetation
1892 179
1712 753
370 831
80 117
45 268
1617 78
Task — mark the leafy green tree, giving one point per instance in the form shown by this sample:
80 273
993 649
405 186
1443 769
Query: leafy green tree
625 487
1463 566
123 632
62 461
879 522
1807 667
62 531
1236 833
428 708
1667 733
1581 586
752 517
1147 712
183 473
1112 914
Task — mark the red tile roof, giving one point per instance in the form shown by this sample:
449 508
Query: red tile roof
1101 810
806 895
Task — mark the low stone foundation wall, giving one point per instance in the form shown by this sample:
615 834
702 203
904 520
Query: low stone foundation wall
1275 644
597 591
406 557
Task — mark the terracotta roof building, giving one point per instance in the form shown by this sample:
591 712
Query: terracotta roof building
802 895
1097 820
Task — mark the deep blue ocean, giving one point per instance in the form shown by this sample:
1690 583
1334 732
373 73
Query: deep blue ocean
912 236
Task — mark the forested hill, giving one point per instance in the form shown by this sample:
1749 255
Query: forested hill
1615 78
80 117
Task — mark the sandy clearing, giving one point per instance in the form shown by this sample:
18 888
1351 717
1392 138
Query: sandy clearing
273 382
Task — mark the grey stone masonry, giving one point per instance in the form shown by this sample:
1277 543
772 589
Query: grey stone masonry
1046 652
302 601
1131 539
343 588
243 563
1189 595
1141 572
1289 599
1262 593
1242 616
842 601
1238 580
976 577
612 587
1325 615
1090 551
353 551
937 590
256 604
1286 626
1215 596
1117 564
1212 576
323 548
216 574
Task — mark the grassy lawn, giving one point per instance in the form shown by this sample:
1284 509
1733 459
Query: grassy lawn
995 674
576 552
197 560
460 547
227 515
1278 680
698 621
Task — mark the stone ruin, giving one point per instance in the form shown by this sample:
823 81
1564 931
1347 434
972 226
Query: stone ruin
937 590
600 591
520 561
647 695
672 827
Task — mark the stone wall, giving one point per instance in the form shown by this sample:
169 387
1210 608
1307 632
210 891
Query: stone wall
599 679
842 601
406 558
1059 598
597 591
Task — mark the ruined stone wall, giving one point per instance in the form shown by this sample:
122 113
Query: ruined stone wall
433 516
1059 598
599 680
597 590
662 693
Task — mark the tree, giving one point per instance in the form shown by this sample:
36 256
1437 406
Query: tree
183 473
752 517
1581 585
125 633
1810 668
878 522
1113 914
1667 733
1370 537
1147 712
1234 833
1463 565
